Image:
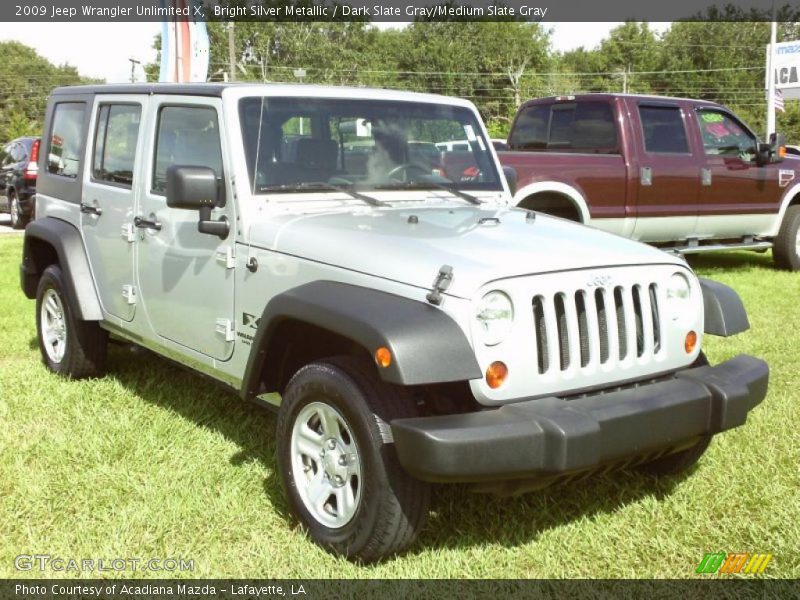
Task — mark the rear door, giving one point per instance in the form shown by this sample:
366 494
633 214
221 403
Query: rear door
186 278
668 175
734 185
6 162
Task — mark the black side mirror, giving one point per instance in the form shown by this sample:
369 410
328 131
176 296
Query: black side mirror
511 178
763 154
196 188
777 147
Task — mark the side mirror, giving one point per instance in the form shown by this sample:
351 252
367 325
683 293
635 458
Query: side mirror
196 188
511 178
763 154
777 147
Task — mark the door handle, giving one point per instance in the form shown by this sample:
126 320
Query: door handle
147 224
91 209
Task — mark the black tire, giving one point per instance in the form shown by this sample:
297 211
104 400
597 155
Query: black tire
680 461
393 506
18 220
786 250
84 343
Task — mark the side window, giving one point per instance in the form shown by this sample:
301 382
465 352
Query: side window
115 143
530 130
724 136
663 130
5 155
583 127
63 154
18 153
189 136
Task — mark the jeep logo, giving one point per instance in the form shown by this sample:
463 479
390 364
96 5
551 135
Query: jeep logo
599 281
250 321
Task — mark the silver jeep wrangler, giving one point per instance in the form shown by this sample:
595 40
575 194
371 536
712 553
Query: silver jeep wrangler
349 257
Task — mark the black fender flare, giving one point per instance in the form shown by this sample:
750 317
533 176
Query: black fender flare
66 240
725 314
427 345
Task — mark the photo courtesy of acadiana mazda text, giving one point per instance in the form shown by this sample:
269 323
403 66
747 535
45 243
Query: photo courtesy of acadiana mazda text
352 259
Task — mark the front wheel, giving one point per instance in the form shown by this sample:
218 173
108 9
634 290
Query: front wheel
786 249
337 464
69 346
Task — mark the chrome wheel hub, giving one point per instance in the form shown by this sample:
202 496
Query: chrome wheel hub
53 326
14 210
325 465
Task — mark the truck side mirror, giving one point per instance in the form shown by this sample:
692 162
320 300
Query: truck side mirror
777 147
511 178
196 188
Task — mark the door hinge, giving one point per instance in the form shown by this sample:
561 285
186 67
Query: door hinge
226 257
705 176
129 233
129 293
646 176
225 328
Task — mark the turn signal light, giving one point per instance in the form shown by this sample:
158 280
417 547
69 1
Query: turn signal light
496 374
383 357
690 343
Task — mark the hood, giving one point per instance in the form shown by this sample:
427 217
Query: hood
409 244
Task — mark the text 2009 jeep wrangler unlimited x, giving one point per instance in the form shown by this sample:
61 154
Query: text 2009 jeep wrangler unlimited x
317 242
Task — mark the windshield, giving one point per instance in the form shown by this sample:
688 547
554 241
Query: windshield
363 144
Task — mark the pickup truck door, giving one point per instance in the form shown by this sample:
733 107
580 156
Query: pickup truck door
668 174
733 185
109 189
185 277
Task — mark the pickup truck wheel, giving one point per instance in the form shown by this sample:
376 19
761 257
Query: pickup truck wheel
680 461
337 464
69 346
786 250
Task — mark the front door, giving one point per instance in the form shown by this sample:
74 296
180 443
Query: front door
185 277
735 185
108 200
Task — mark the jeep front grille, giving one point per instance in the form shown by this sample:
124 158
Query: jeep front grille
596 326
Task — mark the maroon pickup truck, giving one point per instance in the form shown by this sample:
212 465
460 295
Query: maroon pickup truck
678 173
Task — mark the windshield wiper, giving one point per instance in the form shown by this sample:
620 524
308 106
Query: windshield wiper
319 186
441 186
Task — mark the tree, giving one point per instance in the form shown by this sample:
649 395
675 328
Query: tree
28 79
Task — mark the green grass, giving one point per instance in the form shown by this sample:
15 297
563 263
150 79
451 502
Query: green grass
152 461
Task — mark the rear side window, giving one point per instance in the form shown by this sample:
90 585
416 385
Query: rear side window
63 154
663 130
573 127
187 136
115 143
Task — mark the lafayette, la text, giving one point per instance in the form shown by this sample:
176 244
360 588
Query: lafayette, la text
429 12
147 589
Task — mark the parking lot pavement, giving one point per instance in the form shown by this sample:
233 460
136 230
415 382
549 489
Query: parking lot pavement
5 225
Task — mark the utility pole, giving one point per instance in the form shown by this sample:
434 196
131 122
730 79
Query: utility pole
231 52
134 62
773 36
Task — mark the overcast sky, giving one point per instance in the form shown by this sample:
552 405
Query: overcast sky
103 49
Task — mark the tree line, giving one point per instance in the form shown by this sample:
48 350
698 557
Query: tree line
497 65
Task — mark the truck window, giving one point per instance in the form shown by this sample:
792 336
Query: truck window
189 136
562 127
724 136
63 154
115 143
663 130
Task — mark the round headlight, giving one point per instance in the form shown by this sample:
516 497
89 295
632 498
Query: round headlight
679 293
495 315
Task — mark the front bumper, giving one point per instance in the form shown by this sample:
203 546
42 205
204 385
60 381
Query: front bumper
549 436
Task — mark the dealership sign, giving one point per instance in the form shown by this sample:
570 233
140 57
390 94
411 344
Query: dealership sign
786 68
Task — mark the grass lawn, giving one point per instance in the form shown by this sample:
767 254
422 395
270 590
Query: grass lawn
154 462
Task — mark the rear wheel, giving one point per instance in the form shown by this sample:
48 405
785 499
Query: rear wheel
337 464
17 218
786 249
69 346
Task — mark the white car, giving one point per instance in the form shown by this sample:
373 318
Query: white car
417 329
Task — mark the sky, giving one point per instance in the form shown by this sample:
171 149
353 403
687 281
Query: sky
102 49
